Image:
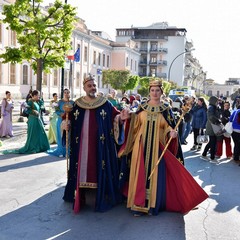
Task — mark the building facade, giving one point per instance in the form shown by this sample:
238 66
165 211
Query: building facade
97 53
230 86
159 45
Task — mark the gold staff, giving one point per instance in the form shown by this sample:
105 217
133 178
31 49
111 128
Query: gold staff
67 107
185 110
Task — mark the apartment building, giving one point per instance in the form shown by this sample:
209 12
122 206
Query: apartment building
162 49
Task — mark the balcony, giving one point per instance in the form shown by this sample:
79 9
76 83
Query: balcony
150 37
163 50
143 62
154 49
161 75
143 49
153 63
162 62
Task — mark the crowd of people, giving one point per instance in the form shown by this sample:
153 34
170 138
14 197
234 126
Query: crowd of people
128 149
200 120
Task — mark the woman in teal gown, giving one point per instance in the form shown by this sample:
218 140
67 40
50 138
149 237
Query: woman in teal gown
37 140
60 151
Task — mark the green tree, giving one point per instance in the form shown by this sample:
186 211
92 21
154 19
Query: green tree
120 79
44 34
144 83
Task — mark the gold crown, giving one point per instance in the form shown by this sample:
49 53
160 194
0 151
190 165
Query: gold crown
89 78
155 82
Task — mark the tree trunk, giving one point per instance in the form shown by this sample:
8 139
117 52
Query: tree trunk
39 74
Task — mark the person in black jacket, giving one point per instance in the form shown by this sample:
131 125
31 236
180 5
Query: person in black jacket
225 115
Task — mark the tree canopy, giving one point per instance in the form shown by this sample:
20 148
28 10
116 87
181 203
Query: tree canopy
120 79
144 86
43 34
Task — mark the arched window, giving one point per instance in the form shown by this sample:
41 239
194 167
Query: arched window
25 75
77 79
55 77
1 73
12 73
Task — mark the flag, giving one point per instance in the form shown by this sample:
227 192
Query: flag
77 55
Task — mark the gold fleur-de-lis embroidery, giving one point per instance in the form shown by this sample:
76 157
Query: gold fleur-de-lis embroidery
103 164
102 138
103 114
76 114
120 176
76 139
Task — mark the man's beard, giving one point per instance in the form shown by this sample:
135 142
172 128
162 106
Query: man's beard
92 94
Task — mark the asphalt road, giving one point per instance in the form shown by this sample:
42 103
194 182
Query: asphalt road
31 205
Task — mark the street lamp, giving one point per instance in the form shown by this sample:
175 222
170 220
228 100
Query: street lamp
196 76
187 52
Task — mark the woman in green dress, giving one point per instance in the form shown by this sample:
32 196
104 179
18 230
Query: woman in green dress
37 140
52 132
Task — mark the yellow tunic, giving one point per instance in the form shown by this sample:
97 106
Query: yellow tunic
148 128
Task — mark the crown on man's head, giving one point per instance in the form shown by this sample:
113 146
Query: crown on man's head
89 78
154 82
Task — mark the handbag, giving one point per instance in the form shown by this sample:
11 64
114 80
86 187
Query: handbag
229 128
218 129
202 138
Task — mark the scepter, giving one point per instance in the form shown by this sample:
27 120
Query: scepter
67 107
185 110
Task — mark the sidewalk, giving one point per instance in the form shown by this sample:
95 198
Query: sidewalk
20 134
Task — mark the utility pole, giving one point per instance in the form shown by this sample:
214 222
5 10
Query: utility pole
62 75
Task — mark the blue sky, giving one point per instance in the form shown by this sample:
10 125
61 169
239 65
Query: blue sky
212 25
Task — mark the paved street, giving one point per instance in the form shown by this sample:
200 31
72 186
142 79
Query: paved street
32 207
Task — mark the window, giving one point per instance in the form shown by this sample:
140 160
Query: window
99 82
209 93
65 77
25 75
153 72
94 57
12 73
1 72
13 38
126 61
108 60
77 79
144 46
103 60
1 32
85 54
135 67
55 77
99 59
153 59
45 79
131 64
153 46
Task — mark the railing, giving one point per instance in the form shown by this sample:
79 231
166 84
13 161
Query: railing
163 50
143 62
162 62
